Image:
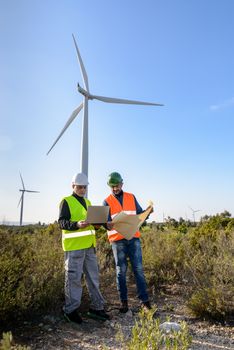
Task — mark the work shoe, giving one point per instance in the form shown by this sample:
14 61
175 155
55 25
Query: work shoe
98 314
145 305
74 316
124 307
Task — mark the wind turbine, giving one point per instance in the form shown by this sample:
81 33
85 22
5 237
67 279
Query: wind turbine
194 211
22 199
86 97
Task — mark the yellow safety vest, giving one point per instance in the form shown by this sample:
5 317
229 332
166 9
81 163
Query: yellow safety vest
81 238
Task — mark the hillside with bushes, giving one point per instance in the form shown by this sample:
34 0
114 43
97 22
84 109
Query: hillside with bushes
199 257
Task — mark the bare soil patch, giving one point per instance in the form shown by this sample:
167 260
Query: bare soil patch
52 332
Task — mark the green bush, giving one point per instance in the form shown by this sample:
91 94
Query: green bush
203 259
106 261
104 253
146 334
210 271
7 343
162 256
31 271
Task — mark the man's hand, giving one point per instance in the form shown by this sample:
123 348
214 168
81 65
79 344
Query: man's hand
152 209
109 225
82 224
97 226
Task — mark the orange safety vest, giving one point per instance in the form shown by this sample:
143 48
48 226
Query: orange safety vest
128 207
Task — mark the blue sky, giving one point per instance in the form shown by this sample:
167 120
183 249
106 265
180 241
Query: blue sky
179 53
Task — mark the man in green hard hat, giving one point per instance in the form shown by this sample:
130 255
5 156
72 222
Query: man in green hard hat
122 248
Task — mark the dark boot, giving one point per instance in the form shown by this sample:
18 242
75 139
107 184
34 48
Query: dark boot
98 315
124 307
145 305
74 316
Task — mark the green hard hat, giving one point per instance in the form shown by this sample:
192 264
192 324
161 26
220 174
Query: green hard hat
114 179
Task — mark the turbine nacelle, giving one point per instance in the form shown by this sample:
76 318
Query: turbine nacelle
83 92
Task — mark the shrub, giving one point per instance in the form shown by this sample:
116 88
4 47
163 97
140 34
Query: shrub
7 343
31 272
210 271
146 334
105 261
162 256
203 259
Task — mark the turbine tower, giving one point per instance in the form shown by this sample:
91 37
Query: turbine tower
194 211
22 199
86 97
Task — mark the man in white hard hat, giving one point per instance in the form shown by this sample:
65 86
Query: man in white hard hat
78 240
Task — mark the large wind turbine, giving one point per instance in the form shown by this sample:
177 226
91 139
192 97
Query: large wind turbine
22 199
86 97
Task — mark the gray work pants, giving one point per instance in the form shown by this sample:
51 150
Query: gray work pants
78 262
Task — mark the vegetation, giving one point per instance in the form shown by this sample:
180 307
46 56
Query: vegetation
202 260
31 270
209 267
147 334
201 257
7 343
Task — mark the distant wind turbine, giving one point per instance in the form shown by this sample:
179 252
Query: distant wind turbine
86 97
22 199
194 211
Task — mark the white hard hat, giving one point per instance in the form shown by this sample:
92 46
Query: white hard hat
80 179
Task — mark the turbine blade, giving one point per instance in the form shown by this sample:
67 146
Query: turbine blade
20 200
32 191
120 100
22 181
70 120
82 67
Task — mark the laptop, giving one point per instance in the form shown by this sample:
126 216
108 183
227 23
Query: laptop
97 214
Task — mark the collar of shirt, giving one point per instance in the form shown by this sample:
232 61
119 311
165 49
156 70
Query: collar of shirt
119 197
76 196
80 199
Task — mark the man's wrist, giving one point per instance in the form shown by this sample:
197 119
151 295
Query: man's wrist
77 224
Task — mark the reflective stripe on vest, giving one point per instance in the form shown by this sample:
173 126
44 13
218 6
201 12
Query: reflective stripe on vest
82 238
128 207
77 234
128 212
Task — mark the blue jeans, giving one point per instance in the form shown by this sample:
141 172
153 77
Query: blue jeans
131 249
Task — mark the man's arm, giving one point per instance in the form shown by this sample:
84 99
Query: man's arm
139 209
107 205
109 224
64 218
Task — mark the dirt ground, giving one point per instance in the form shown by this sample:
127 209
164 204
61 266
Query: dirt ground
54 333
